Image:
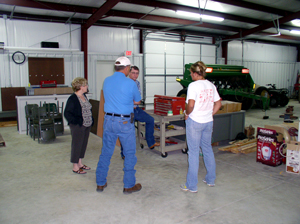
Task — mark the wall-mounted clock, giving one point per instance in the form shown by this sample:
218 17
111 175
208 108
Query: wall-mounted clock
18 57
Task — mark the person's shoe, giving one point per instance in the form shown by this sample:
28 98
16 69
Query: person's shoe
155 144
184 188
210 185
84 167
101 188
80 171
135 188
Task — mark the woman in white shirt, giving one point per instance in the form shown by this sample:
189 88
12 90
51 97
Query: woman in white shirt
203 101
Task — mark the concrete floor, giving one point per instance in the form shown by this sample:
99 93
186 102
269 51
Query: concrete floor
37 185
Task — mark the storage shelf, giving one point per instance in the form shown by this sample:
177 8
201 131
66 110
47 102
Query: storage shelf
164 133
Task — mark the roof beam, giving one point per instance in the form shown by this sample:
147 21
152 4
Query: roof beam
265 26
170 20
253 6
108 5
49 6
175 7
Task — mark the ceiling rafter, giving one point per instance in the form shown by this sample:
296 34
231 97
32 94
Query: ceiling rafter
264 26
175 7
49 6
108 5
170 20
23 16
253 6
97 14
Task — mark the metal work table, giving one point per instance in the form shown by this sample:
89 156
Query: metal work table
226 127
163 133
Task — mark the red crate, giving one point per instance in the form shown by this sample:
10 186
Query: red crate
162 104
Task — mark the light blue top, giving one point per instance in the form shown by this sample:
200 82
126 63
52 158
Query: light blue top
119 94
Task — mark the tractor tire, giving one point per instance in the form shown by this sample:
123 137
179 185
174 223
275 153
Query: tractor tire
262 91
283 100
247 103
274 100
182 93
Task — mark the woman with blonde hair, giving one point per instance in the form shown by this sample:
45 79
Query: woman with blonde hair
78 113
203 101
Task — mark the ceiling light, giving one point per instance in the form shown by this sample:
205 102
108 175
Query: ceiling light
295 32
196 15
296 22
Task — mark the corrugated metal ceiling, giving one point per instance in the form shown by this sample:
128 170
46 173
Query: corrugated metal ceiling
251 19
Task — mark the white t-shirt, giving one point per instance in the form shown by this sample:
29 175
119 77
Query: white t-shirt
205 94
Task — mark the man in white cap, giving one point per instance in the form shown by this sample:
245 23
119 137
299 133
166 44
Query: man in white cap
120 94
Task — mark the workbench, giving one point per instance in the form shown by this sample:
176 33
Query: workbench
226 127
164 133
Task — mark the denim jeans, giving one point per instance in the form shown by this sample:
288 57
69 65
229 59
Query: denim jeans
142 116
199 135
113 128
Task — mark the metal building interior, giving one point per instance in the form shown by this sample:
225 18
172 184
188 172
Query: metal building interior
37 185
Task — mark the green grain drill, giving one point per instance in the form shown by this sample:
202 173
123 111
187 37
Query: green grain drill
233 83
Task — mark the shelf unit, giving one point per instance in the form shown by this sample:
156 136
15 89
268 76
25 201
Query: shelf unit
163 133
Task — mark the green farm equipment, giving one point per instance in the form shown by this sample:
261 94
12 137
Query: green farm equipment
233 83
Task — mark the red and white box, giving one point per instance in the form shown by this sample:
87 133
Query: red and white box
268 147
293 157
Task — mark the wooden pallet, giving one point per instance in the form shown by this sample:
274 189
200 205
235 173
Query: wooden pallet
2 142
243 146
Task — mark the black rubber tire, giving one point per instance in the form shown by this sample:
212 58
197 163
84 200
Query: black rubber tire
184 151
182 93
283 101
274 100
247 103
142 146
262 91
164 155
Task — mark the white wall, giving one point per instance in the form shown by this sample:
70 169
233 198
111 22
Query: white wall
104 43
112 40
267 63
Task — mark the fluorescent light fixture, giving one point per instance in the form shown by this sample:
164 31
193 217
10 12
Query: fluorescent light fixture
296 22
295 32
196 15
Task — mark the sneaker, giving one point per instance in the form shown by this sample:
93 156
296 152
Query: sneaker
184 188
210 185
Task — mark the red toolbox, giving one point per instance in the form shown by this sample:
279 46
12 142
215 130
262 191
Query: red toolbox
162 104
48 83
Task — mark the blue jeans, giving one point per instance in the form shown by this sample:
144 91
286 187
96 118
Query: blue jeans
142 116
199 135
113 128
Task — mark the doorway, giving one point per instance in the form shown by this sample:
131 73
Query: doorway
103 70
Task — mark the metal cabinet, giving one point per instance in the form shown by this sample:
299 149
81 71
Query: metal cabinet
164 133
228 125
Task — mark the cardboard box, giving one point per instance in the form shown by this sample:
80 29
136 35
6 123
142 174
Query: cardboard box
268 146
249 131
293 157
51 91
229 106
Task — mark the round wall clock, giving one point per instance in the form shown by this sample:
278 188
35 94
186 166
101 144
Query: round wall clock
18 57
